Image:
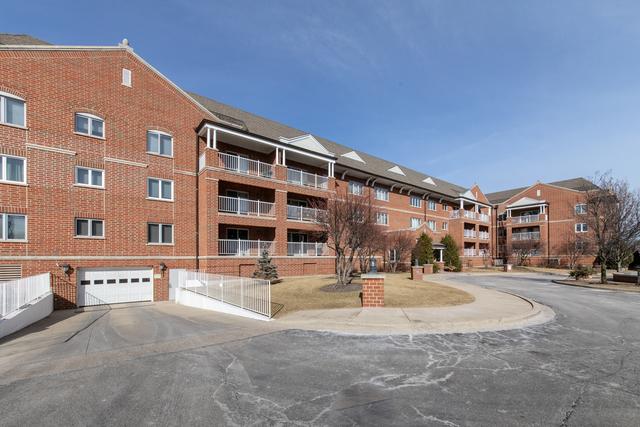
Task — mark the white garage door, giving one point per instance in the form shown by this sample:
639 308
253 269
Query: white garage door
115 285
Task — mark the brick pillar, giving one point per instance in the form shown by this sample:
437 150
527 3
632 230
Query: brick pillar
281 220
372 290
416 273
427 269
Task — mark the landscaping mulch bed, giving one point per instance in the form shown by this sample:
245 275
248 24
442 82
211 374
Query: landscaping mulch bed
351 287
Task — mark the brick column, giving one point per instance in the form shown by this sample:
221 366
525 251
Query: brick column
281 221
372 290
427 269
416 273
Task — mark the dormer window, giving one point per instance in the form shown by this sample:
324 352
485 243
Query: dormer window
12 110
90 125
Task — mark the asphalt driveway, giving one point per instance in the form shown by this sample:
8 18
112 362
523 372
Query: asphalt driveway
165 364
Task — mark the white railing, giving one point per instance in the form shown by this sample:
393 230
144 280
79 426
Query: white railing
461 213
483 217
18 293
299 213
244 247
470 252
531 235
524 219
249 294
245 166
484 235
241 206
306 249
470 233
307 179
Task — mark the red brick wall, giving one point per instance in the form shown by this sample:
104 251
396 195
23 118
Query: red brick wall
372 292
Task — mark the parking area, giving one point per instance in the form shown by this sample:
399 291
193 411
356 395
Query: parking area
166 364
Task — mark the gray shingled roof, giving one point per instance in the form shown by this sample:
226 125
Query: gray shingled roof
579 184
20 39
373 165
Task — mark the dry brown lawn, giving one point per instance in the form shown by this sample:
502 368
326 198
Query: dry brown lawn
303 293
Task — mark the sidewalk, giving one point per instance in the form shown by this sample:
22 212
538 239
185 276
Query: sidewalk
491 311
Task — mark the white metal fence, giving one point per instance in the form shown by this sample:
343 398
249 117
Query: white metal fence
249 294
244 247
18 293
470 233
306 249
525 219
307 179
241 206
484 235
533 235
299 213
461 213
246 166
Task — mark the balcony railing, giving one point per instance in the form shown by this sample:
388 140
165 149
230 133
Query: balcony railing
470 233
461 213
234 247
530 235
475 252
484 235
299 213
245 166
306 249
525 219
239 206
306 179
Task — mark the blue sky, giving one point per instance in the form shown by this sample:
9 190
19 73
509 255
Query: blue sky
502 93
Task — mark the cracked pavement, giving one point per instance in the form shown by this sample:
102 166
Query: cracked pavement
581 369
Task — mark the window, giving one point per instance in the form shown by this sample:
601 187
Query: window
415 222
159 143
160 234
89 227
159 189
393 255
89 177
581 208
88 124
382 194
356 188
382 218
126 77
581 228
445 226
432 225
416 202
12 110
12 169
432 205
13 227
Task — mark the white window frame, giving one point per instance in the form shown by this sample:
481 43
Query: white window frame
91 171
4 224
127 77
413 199
433 226
159 133
445 226
91 118
3 109
581 227
432 203
3 160
358 185
160 181
382 191
415 220
380 215
91 221
160 234
580 209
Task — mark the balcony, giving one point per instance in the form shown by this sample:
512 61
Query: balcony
306 179
525 219
530 235
299 213
461 213
239 206
470 252
245 166
484 235
306 249
472 234
231 247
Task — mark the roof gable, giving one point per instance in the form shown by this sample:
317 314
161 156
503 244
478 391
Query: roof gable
354 156
526 201
308 142
396 169
429 180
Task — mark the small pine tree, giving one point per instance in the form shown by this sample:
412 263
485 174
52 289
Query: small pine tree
450 255
423 250
265 269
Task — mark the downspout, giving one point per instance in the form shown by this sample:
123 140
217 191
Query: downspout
197 202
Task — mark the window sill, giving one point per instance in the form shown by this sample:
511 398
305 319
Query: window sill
89 237
13 241
11 125
95 187
151 153
19 184
160 244
160 200
90 136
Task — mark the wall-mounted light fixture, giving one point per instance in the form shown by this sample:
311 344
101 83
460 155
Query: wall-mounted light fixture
66 269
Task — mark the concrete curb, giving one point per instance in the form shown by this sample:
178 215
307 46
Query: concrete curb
578 285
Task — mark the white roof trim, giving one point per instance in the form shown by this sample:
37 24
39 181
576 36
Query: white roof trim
429 180
354 156
526 201
308 142
468 195
396 169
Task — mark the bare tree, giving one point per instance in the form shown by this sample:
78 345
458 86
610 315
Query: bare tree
401 244
523 250
613 218
347 220
576 247
373 243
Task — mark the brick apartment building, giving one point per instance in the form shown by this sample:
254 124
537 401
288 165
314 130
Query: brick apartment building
111 176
